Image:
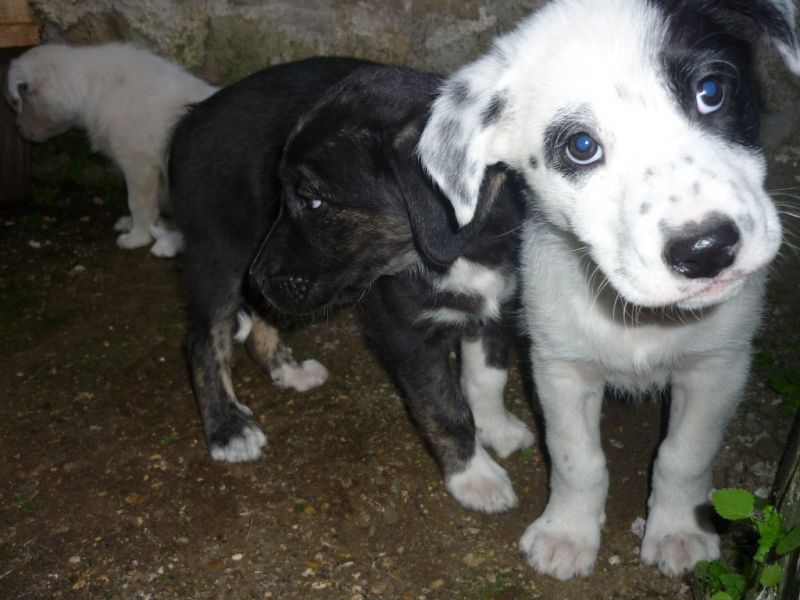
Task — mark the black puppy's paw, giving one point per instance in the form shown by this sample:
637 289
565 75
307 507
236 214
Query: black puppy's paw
237 440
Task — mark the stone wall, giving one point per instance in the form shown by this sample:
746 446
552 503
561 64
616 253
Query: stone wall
223 40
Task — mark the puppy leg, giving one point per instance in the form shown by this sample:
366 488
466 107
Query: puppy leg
230 433
123 224
679 532
266 348
484 372
141 179
169 241
564 541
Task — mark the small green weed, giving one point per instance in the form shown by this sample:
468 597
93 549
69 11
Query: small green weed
24 502
774 541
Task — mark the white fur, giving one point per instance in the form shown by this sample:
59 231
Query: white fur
301 377
483 485
127 99
467 277
244 447
593 259
483 387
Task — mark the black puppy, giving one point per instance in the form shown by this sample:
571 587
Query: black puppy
361 222
224 190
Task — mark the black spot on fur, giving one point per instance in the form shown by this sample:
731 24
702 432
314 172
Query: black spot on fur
494 111
460 93
533 162
645 208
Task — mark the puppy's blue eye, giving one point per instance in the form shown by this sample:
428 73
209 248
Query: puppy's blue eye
583 150
710 96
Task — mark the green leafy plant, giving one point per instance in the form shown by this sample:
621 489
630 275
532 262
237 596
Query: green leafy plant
774 541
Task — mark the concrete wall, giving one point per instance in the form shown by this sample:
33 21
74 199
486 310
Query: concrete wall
222 40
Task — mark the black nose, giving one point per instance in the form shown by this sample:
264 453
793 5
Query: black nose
706 254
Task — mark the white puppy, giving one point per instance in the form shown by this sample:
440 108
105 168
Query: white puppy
634 124
128 100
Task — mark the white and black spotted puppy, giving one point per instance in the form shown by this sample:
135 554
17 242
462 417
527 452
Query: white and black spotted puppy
634 124
127 100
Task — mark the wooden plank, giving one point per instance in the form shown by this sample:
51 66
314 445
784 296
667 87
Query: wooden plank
15 152
15 11
19 34
17 25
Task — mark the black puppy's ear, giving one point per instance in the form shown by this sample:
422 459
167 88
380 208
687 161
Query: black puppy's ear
774 19
468 131
433 222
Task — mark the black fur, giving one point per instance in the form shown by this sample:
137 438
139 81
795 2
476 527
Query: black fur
359 222
385 235
223 185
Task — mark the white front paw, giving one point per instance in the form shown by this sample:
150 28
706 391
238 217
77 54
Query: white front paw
243 447
678 551
505 434
301 377
559 547
134 239
483 485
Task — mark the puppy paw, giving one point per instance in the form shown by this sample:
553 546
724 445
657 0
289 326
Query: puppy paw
300 376
168 245
242 447
677 552
124 224
560 551
134 239
483 485
505 434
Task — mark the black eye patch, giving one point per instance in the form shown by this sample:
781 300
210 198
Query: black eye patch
567 129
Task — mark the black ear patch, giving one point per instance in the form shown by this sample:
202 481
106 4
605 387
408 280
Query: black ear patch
436 232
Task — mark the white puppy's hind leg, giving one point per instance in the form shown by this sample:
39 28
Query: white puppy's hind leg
141 179
677 533
483 387
169 242
123 224
564 541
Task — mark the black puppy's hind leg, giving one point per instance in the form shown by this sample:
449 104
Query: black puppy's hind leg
484 373
269 352
231 435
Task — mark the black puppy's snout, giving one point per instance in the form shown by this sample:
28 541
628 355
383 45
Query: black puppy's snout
704 254
291 288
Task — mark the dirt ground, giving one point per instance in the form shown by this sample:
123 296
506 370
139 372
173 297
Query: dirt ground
106 489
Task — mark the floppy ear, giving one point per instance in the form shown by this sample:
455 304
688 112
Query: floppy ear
436 232
774 19
463 133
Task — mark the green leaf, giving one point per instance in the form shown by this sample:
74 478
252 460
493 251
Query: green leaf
790 542
771 575
733 504
770 529
721 596
734 584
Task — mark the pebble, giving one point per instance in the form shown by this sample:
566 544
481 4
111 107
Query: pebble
637 527
238 556
74 559
614 560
